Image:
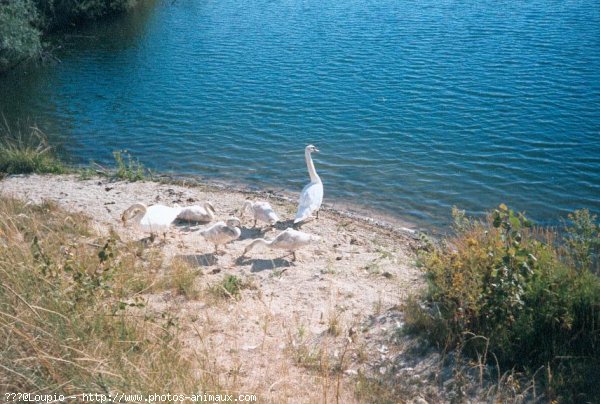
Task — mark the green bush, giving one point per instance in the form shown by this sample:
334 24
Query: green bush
59 13
24 22
534 299
19 37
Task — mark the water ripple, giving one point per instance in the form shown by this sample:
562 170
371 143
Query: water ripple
416 106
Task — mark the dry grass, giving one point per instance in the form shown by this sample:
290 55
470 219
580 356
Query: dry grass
182 279
72 315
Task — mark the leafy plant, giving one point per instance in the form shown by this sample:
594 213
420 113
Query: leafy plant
583 240
128 168
534 302
229 287
23 23
19 37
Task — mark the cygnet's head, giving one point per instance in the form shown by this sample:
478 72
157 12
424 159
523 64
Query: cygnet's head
233 222
311 149
246 208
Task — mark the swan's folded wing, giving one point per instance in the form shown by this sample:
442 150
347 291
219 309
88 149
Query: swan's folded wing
159 217
194 214
310 200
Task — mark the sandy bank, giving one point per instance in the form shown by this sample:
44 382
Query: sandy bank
356 273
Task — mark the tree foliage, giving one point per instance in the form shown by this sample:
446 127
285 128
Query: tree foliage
24 22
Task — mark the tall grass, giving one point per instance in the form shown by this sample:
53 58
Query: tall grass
72 318
526 295
27 153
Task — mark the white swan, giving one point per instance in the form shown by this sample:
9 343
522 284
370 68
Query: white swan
153 219
288 240
222 232
197 213
312 194
260 211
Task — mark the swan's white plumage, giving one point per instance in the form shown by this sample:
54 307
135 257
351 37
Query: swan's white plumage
153 219
197 213
222 232
310 201
288 240
261 211
312 194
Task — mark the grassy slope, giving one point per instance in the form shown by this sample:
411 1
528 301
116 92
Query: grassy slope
71 320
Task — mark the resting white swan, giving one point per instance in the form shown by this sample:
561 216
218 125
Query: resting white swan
288 240
197 213
153 219
222 232
312 194
260 211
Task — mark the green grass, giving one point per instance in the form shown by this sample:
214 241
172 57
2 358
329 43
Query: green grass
30 153
229 287
529 294
128 168
26 154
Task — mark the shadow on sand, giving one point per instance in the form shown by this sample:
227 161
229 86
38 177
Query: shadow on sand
258 265
199 260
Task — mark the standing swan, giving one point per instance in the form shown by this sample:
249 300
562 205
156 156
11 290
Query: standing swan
222 232
260 211
289 240
153 219
312 194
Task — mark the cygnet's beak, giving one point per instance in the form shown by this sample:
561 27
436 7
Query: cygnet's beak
316 150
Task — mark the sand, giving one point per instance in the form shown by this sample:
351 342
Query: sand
276 339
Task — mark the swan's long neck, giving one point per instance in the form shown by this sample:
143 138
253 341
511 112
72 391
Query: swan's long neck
311 167
139 209
247 207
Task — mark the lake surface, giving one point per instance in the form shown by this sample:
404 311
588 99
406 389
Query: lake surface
415 105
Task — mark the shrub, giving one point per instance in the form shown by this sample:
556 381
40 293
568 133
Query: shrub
583 241
59 13
534 300
19 38
24 22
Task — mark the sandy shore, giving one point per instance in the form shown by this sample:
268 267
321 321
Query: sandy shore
351 278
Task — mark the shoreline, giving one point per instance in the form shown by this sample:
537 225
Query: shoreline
391 225
336 206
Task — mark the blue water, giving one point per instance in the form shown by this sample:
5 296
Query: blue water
415 105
